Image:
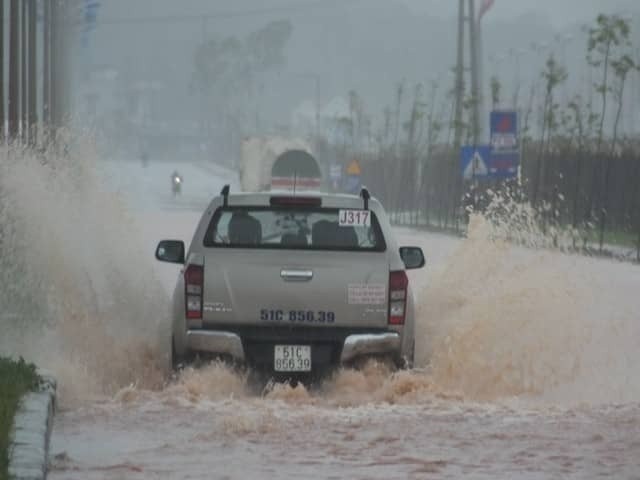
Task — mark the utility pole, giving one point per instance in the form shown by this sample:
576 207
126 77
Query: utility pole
46 65
65 77
459 90
475 91
459 105
61 31
14 72
482 112
54 65
474 68
2 117
33 95
23 72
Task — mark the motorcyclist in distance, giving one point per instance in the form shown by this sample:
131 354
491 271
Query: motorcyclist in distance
176 183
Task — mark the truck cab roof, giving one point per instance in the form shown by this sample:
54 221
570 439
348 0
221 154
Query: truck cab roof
286 197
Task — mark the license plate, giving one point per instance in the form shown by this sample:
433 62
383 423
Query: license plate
292 358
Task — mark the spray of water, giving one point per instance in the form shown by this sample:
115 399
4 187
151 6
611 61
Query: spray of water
509 315
502 322
79 295
504 317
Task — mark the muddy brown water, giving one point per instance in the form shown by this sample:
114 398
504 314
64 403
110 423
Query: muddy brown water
527 364
530 375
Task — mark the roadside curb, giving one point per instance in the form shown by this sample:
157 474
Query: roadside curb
29 449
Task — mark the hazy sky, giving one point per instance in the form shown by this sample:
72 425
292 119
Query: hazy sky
560 12
369 46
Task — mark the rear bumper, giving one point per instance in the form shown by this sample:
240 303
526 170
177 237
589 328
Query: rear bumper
343 349
363 344
216 342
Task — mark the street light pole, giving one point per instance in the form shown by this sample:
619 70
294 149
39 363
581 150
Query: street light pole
23 72
475 91
2 117
46 65
14 72
54 65
33 94
457 140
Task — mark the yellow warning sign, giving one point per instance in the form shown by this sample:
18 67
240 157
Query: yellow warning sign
354 168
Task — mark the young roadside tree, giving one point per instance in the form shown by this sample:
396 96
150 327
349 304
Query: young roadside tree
582 121
553 75
525 134
434 129
496 89
356 116
609 33
606 39
413 166
621 68
449 196
400 88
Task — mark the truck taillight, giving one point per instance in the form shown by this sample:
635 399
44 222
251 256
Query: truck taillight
193 289
398 283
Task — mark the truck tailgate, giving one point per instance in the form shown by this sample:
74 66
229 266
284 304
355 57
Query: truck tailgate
289 287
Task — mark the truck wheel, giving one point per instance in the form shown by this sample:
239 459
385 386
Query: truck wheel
177 361
409 359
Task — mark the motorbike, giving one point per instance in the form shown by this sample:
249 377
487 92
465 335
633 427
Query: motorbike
176 184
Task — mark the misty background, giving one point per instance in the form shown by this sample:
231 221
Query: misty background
366 47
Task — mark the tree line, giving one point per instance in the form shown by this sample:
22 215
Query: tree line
578 170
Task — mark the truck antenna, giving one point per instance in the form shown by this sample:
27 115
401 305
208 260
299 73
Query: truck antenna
225 195
364 193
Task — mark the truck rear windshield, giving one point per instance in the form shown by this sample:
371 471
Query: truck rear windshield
297 228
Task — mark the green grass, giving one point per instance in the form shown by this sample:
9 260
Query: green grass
16 379
615 237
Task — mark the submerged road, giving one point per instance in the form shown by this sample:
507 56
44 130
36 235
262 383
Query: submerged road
532 368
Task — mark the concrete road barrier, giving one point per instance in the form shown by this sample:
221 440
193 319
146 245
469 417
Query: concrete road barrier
29 449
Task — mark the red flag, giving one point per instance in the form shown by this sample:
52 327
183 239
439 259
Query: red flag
486 6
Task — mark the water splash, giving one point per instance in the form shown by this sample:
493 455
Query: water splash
80 293
503 321
503 317
510 315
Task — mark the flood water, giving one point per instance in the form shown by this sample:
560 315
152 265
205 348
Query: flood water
526 362
531 375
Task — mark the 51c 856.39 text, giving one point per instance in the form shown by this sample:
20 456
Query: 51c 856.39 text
297 316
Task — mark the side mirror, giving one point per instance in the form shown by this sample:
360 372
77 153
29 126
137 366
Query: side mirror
412 257
171 251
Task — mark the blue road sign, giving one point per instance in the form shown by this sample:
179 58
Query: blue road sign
504 164
505 148
474 161
352 183
504 130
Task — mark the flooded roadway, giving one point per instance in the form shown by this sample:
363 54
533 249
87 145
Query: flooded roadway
527 360
532 375
161 436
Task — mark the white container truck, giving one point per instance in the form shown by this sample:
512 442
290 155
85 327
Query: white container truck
278 163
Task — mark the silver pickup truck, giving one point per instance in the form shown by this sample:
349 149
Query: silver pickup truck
293 283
